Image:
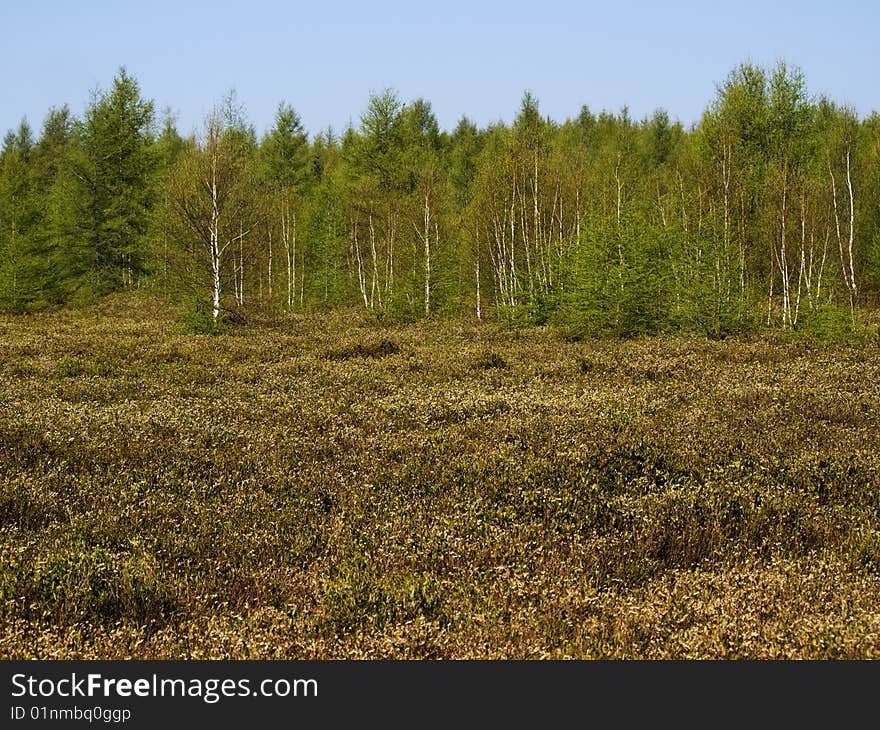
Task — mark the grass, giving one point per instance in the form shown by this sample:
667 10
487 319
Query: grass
325 487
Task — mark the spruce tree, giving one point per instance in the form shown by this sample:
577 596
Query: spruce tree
106 193
17 220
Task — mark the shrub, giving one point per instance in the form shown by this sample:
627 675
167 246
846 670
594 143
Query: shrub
489 361
827 323
198 318
377 349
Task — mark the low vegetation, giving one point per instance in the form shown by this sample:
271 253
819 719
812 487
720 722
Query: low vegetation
325 487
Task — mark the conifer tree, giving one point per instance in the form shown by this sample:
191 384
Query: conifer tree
17 220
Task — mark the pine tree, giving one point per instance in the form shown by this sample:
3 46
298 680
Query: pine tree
17 220
284 171
106 194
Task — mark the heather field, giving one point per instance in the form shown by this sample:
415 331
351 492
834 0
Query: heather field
323 486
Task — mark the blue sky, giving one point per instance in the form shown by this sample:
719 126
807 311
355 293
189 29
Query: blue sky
465 57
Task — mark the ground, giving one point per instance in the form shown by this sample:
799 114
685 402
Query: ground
322 486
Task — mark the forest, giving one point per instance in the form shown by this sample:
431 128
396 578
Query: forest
766 213
606 388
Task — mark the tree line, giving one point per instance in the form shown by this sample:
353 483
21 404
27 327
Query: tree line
765 213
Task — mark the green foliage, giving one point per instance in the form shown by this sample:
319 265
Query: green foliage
514 316
81 583
198 318
601 224
284 150
827 323
110 185
619 283
17 221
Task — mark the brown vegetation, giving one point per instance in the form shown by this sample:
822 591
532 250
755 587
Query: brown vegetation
322 487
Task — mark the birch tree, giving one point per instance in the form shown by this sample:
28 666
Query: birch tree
376 195
791 120
841 149
284 158
210 194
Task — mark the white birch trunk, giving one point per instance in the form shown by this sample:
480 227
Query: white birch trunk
479 304
269 272
427 254
852 228
214 237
